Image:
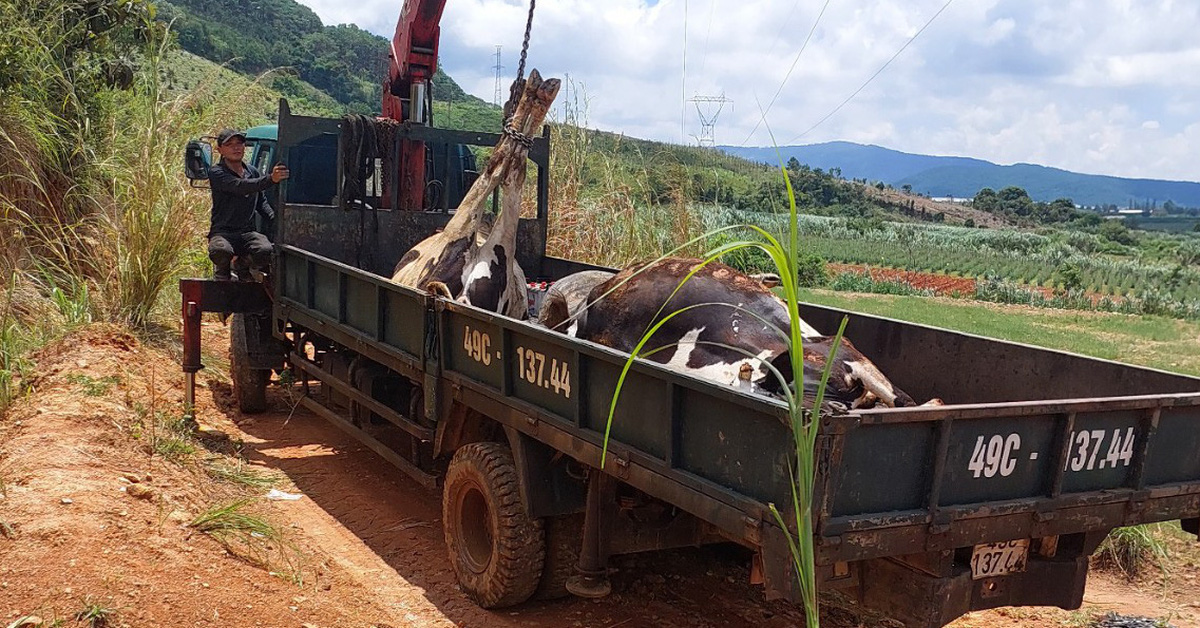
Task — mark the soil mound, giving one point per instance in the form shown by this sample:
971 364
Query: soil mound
100 477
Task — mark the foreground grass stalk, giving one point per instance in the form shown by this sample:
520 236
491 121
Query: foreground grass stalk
804 422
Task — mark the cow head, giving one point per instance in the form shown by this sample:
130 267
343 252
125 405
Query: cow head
854 381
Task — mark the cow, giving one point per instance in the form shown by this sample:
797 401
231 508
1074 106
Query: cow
565 299
729 328
470 260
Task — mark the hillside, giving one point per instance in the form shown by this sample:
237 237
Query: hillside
343 61
962 177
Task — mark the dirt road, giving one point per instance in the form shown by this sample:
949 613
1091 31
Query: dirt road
368 545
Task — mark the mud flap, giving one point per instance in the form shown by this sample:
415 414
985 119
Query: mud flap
546 486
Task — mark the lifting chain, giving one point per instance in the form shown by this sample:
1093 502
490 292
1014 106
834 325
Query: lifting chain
518 84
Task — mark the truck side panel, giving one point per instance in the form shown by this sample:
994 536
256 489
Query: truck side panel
928 362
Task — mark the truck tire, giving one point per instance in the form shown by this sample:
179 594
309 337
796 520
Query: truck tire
564 536
496 549
249 384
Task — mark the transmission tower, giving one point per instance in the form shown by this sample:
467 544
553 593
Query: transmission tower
499 69
708 108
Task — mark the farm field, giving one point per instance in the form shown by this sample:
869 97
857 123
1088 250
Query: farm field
1153 341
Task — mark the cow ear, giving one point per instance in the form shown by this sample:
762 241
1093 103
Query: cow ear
783 364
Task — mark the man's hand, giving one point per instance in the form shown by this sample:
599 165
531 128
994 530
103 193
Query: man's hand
279 173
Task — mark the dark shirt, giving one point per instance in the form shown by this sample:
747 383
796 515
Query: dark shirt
235 199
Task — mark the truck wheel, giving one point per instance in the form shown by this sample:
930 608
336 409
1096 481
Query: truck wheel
564 536
249 384
495 548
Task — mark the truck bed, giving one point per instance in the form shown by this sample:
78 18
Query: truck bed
1033 443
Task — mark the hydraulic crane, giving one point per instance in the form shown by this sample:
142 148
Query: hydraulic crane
406 92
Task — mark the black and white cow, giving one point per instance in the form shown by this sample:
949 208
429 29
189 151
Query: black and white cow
621 309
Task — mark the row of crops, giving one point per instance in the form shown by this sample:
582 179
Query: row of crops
1027 258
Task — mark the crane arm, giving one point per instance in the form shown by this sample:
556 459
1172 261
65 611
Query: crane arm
412 62
412 59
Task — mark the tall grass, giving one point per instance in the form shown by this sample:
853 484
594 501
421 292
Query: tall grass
603 207
790 262
96 218
1132 550
153 220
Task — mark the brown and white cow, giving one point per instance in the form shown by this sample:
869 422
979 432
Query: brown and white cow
470 260
712 339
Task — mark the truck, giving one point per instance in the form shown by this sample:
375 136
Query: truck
997 498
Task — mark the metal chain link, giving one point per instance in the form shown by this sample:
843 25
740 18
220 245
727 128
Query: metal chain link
519 137
514 90
525 45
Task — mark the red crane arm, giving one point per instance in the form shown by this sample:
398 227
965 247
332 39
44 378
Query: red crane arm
414 53
412 62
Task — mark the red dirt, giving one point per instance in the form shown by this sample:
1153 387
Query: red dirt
370 541
940 284
943 285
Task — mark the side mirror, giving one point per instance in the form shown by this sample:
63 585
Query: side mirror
197 157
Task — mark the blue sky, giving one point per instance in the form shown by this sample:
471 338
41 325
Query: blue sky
1096 86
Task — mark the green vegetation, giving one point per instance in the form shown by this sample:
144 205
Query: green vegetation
343 61
1153 341
92 386
1132 550
236 471
252 538
96 614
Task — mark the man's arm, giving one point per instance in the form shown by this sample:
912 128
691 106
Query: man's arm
222 180
264 206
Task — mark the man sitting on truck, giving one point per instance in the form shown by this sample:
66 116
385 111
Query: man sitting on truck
237 193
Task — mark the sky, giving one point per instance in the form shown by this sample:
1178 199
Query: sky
1095 86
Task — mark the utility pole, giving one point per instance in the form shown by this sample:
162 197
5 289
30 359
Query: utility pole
498 68
708 121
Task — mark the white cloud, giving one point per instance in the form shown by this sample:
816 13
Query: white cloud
1103 86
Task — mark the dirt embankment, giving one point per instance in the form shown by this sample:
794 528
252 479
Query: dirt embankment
99 494
956 214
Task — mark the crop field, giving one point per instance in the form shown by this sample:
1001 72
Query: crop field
1154 341
1057 268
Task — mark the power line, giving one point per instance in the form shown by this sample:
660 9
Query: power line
789 72
683 82
872 77
712 11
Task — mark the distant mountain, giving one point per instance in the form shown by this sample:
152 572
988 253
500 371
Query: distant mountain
962 177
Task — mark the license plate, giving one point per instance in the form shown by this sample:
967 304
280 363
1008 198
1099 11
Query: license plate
999 559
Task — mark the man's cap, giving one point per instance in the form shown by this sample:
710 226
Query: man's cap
228 134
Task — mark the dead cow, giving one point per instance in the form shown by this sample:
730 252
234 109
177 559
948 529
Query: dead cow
699 340
470 260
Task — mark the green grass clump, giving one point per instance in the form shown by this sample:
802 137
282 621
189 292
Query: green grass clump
164 434
239 473
1133 550
253 538
96 614
93 386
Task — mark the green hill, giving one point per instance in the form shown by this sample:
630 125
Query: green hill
288 40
